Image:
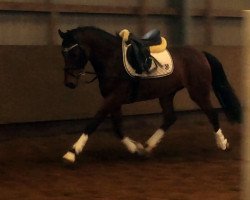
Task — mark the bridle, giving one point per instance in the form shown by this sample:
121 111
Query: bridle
78 75
68 69
66 50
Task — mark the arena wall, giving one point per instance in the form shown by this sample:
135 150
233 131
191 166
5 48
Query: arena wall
246 94
31 76
34 28
32 87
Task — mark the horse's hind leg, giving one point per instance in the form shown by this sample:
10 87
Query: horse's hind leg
168 119
202 98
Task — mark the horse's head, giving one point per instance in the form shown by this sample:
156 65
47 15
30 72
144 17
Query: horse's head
75 58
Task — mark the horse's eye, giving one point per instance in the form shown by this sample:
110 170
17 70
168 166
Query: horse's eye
73 55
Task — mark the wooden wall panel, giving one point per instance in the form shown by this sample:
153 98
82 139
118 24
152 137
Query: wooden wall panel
31 85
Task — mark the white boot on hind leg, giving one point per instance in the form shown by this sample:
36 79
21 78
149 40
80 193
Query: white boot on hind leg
221 141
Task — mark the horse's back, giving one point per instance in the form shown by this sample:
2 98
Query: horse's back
191 66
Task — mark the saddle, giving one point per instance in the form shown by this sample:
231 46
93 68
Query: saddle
151 42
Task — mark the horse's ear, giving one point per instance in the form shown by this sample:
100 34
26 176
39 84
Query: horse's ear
62 34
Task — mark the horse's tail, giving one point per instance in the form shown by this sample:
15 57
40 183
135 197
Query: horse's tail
224 91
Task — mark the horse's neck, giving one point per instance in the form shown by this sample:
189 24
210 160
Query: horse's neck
101 43
102 49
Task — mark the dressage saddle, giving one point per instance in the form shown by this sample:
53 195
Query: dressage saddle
142 47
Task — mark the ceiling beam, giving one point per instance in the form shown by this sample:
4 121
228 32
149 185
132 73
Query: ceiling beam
116 10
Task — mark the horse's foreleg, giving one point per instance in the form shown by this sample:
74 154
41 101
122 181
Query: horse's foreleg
76 149
110 103
79 145
131 145
169 118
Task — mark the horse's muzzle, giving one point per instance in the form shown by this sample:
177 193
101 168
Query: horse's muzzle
70 85
70 81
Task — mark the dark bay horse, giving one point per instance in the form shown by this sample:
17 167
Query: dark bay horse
198 72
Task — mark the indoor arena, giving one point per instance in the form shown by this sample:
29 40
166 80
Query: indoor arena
124 100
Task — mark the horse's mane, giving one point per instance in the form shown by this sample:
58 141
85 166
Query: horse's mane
105 34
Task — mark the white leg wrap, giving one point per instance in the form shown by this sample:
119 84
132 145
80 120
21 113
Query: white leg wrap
130 144
78 146
154 139
221 141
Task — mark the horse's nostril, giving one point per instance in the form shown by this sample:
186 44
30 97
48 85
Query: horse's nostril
70 85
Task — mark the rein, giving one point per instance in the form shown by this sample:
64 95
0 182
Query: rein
91 73
135 82
82 74
66 50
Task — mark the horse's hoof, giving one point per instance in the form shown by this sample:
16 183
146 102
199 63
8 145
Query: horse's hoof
141 152
228 147
140 149
144 152
148 149
69 158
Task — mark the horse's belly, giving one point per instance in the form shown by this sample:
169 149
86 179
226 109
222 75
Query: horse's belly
155 88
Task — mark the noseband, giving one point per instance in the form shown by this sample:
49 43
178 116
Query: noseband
66 50
67 70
